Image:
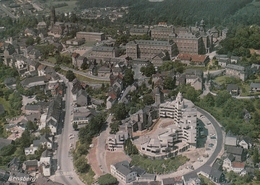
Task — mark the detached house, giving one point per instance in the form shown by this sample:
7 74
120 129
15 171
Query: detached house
123 172
83 98
254 87
237 71
44 140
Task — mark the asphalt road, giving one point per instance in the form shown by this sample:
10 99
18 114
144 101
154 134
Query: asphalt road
220 138
66 173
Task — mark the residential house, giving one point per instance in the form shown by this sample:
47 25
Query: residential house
158 59
83 99
104 71
188 179
223 62
45 163
41 25
15 178
53 114
238 167
195 78
32 108
76 86
30 165
112 98
254 87
238 152
14 164
193 59
233 89
44 140
123 172
217 175
227 162
237 71
82 115
234 59
245 142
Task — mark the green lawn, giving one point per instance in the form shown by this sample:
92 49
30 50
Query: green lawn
159 166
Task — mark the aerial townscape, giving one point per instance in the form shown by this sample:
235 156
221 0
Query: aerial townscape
133 92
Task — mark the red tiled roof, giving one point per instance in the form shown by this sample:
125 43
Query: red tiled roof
113 96
238 165
184 56
199 58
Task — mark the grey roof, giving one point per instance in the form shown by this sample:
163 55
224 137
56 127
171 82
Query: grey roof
231 87
140 183
230 139
46 153
138 170
10 81
54 108
45 181
27 81
123 167
254 85
231 157
150 42
32 107
235 67
216 173
4 176
235 150
139 30
31 163
168 181
82 92
15 161
103 48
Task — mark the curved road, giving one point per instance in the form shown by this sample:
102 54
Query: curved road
220 140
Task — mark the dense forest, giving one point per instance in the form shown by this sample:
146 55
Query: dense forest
177 12
82 4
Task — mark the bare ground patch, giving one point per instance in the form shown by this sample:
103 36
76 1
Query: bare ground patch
92 159
115 157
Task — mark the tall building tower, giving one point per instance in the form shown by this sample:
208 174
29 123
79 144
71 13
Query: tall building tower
53 16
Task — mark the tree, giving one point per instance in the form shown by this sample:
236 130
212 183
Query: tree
29 41
148 99
31 126
209 99
130 148
81 164
255 156
119 111
149 70
169 83
70 75
222 97
107 179
84 65
75 126
128 77
114 127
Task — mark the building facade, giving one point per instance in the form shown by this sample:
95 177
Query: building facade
90 36
148 49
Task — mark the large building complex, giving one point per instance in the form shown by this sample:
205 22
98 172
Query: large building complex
161 32
147 49
90 36
179 135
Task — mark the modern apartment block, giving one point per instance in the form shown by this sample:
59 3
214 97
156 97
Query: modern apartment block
147 49
90 36
179 135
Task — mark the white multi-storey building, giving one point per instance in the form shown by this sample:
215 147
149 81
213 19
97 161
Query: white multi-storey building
180 135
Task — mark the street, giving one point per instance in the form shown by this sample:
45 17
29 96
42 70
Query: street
65 173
